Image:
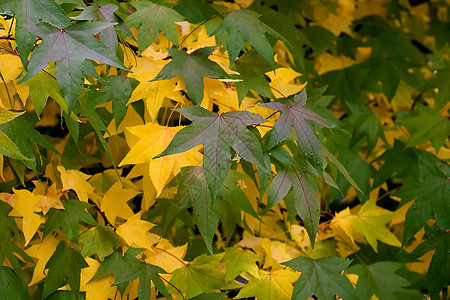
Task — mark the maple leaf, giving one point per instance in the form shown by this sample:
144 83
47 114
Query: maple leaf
146 273
114 202
219 134
12 287
68 48
42 251
51 199
8 248
117 90
153 139
271 285
135 232
294 115
101 288
370 221
77 181
244 26
101 240
425 124
198 276
64 267
438 273
21 131
69 219
194 191
166 256
151 19
322 278
31 12
381 279
103 13
252 68
192 67
118 264
239 260
25 207
305 199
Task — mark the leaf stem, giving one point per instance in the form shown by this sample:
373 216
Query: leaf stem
203 23
182 296
171 113
171 254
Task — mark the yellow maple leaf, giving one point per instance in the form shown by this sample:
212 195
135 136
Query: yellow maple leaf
114 202
274 284
50 198
166 256
25 207
42 251
277 252
100 289
154 138
281 82
77 181
153 93
135 232
370 221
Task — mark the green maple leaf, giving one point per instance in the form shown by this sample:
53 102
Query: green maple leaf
11 287
346 84
69 218
294 115
43 86
118 90
195 11
425 124
430 191
219 134
21 131
239 260
64 295
193 191
365 124
192 67
151 19
438 275
64 266
32 12
101 240
8 249
68 47
441 83
244 26
322 278
305 199
7 146
198 276
146 273
381 279
251 67
118 264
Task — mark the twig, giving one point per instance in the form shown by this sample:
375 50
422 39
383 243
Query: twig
203 23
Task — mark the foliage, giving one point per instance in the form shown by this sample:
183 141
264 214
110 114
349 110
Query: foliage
224 149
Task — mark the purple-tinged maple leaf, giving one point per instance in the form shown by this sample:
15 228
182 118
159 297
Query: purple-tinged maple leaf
306 202
68 48
219 134
294 114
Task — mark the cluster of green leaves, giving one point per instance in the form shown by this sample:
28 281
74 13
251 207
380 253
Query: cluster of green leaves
214 172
